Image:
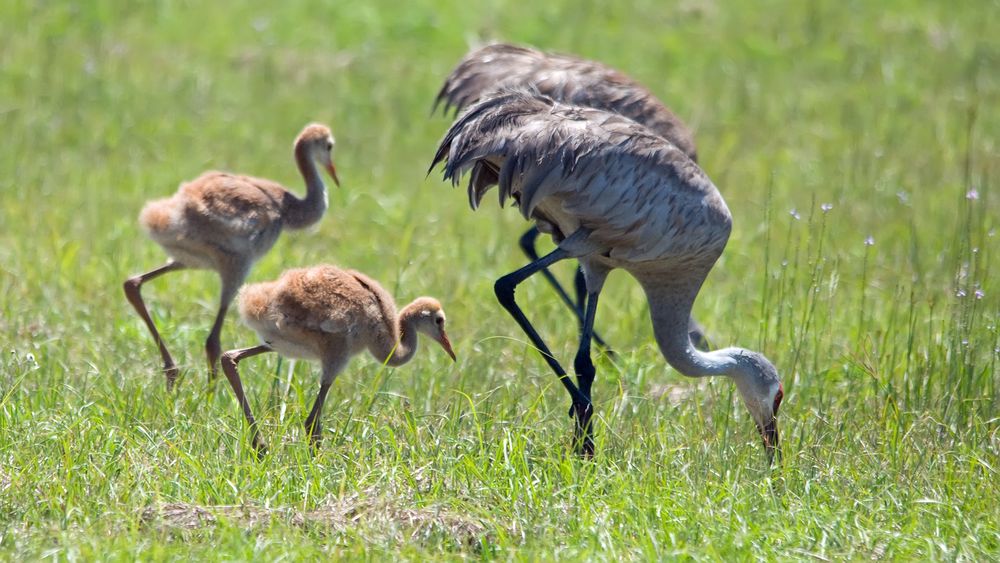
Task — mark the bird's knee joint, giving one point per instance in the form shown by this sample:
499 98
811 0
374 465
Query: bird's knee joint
131 285
230 359
504 292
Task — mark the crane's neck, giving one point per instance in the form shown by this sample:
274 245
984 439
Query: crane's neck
400 344
301 213
670 302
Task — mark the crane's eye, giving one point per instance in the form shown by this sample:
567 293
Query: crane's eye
439 321
329 145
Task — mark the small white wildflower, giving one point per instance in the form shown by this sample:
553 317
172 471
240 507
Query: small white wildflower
960 293
826 207
979 294
869 240
795 214
260 24
972 194
903 197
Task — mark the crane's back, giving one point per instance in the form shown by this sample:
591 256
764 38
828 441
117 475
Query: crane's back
564 78
217 218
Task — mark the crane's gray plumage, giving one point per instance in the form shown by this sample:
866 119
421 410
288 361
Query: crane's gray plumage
568 167
564 78
613 194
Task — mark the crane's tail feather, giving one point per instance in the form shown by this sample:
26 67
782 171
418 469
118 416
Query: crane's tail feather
478 141
484 70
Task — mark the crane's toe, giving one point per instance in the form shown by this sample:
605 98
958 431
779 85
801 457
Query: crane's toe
259 446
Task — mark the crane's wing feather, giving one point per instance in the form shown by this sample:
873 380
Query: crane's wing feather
564 78
484 70
641 197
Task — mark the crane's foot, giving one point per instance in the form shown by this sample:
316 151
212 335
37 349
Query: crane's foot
315 440
583 433
315 435
259 447
171 372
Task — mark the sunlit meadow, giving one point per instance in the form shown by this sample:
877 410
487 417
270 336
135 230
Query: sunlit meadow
856 144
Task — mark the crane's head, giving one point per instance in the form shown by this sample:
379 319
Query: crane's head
429 319
317 140
758 383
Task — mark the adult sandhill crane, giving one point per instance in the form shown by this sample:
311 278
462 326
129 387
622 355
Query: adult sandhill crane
613 195
570 80
328 314
225 222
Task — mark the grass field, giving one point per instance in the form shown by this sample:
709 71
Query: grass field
823 124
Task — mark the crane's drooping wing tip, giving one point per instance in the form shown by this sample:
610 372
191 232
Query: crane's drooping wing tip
442 96
440 155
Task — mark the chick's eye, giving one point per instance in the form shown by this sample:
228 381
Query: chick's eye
329 145
439 321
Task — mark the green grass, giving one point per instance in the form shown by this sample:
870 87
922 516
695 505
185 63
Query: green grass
887 111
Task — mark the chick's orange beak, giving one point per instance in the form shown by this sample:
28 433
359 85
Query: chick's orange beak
333 173
446 344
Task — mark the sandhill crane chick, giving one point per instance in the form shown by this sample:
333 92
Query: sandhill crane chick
328 314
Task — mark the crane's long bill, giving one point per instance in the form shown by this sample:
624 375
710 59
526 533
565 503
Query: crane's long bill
333 173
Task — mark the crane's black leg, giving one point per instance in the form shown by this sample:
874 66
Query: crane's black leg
504 288
580 284
585 373
527 243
